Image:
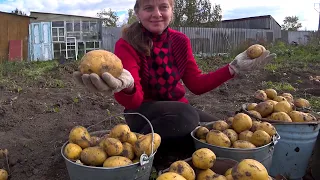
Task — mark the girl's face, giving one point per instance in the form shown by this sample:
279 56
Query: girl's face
155 15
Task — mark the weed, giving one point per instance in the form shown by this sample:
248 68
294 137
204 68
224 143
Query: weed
279 86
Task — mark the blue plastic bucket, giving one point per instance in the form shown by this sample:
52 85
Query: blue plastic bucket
294 149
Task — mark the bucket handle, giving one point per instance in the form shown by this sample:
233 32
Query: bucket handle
275 140
144 158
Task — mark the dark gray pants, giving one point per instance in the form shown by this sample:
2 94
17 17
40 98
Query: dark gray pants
173 121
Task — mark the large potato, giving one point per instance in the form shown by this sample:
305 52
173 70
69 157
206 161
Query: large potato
112 146
251 106
170 176
248 169
94 140
184 169
116 161
144 144
273 102
283 106
220 125
280 116
218 138
72 151
241 122
268 128
205 174
100 61
128 151
3 174
301 103
279 98
264 108
132 138
80 135
260 138
255 125
203 158
202 132
93 156
121 132
232 135
255 51
271 93
245 135
243 144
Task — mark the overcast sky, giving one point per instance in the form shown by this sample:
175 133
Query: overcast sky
304 9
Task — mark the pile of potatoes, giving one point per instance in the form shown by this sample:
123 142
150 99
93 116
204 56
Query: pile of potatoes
120 147
280 107
4 156
201 165
239 131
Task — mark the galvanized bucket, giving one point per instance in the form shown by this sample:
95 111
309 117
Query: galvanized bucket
262 154
293 151
139 170
315 164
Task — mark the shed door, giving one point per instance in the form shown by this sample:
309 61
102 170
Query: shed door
41 41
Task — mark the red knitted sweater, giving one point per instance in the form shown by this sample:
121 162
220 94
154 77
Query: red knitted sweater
158 77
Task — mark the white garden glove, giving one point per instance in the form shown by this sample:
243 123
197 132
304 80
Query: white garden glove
243 63
106 84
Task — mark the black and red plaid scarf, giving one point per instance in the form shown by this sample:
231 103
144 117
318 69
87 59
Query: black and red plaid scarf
159 73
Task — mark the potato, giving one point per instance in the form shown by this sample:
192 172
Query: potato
72 151
80 135
220 125
93 156
229 121
218 177
255 114
139 135
170 176
255 51
3 174
232 135
241 122
280 116
283 106
273 102
184 169
289 98
260 95
264 108
251 106
228 172
99 62
279 98
249 169
94 141
218 138
298 116
310 117
205 174
143 144
112 146
287 94
243 144
271 93
255 125
132 138
260 138
202 132
203 158
121 132
301 103
268 128
203 140
229 177
128 151
245 135
116 161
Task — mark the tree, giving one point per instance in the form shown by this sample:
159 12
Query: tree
196 13
131 17
18 12
109 18
291 23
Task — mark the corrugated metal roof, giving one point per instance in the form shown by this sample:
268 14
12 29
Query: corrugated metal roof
18 15
252 17
37 12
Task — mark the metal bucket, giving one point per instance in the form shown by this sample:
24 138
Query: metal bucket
262 154
294 149
139 170
315 164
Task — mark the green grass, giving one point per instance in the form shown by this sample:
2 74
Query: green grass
314 102
278 86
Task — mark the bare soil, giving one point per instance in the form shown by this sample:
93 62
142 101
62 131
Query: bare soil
35 122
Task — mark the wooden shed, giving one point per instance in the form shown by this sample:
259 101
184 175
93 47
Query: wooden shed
266 22
13 28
